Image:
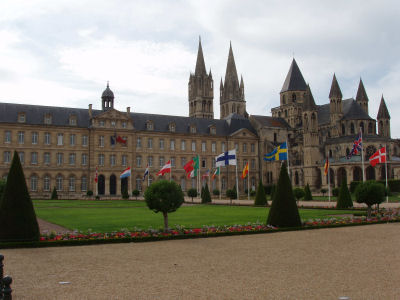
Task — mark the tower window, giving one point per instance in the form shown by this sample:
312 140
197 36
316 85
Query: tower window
294 98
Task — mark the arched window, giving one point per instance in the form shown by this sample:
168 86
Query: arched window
46 183
294 97
352 128
59 183
330 153
34 183
72 184
83 183
183 183
343 129
370 129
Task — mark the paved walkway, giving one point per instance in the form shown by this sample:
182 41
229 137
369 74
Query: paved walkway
360 262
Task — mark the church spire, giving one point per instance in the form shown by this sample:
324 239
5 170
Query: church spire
362 98
231 77
200 65
294 79
335 89
383 112
309 103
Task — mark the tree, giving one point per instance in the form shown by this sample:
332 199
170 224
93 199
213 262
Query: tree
206 197
164 196
344 198
2 187
17 216
216 192
261 197
192 193
307 193
231 194
370 193
298 193
89 193
135 193
284 212
323 191
54 195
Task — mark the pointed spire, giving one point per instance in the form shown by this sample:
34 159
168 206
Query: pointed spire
294 79
335 89
309 103
210 74
241 81
221 85
231 77
383 112
200 65
361 93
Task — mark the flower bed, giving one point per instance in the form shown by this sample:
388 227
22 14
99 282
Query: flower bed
180 232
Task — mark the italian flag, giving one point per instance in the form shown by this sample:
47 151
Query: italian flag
216 172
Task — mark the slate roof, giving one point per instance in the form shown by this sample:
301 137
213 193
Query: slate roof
294 79
350 139
271 121
335 91
107 93
361 93
60 117
383 112
309 103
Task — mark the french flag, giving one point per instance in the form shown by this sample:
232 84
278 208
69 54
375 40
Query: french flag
125 173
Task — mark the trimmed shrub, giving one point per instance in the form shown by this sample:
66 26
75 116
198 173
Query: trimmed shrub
2 188
253 193
344 198
164 196
284 211
298 193
261 198
192 193
324 191
125 194
370 193
135 193
89 193
17 215
206 197
273 188
54 195
335 192
268 189
307 193
353 186
231 194
216 192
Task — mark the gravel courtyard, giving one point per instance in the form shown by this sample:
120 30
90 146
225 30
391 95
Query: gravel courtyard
360 262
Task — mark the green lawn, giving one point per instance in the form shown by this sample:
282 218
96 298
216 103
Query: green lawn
106 216
394 198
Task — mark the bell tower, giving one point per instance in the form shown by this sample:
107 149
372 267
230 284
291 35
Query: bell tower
107 98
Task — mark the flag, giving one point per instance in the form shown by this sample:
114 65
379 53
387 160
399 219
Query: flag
165 169
279 153
326 166
189 166
191 174
378 157
146 172
216 172
245 171
96 177
121 140
357 146
206 174
226 158
125 173
113 139
196 164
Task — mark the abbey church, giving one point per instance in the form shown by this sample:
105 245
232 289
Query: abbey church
67 148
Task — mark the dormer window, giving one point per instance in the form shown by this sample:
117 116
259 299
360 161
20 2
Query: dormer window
172 127
47 119
21 118
192 129
149 125
213 130
72 120
101 123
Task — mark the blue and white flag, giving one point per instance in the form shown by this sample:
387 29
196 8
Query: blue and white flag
125 173
279 153
226 158
146 173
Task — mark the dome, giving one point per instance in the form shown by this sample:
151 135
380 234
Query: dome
107 93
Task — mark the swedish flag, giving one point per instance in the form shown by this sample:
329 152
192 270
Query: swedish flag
279 153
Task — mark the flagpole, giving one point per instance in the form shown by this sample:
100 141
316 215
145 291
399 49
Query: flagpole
148 177
237 181
288 164
170 172
248 184
387 192
219 179
131 189
329 181
362 155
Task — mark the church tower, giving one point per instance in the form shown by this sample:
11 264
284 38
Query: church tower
292 96
362 98
201 89
107 98
231 92
383 119
335 100
310 139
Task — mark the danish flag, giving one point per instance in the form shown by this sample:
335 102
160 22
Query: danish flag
378 157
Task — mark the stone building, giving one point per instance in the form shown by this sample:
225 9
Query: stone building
62 147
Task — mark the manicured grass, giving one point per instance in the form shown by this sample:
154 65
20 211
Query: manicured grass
106 216
394 198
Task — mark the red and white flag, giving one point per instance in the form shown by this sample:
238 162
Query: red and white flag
96 177
165 169
378 157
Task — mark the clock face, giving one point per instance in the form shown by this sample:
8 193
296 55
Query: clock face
370 150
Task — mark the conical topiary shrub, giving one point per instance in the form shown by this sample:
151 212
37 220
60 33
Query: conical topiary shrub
344 198
54 195
205 196
17 215
307 193
261 197
284 212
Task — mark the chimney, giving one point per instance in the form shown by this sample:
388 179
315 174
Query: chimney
90 110
128 110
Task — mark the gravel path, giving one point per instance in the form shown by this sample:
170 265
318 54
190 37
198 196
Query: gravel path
360 262
47 227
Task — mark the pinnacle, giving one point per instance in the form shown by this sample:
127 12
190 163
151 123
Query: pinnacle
383 112
294 79
309 103
335 89
200 65
231 77
361 93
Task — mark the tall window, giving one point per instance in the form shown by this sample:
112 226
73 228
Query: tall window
101 140
138 142
72 139
150 143
34 158
138 161
7 156
253 164
46 183
112 160
183 184
84 184
172 161
183 161
7 136
124 160
34 138
161 144
72 158
223 146
101 159
72 184
213 147
237 147
193 146
47 138
59 183
252 147
60 141
139 184
21 136
59 159
84 159
203 146
21 157
244 147
161 161
150 161
172 145
183 145
84 140
34 182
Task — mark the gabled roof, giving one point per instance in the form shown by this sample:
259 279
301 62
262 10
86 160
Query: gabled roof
268 121
383 112
294 79
335 91
361 93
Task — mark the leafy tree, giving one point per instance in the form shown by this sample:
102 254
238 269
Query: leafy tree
164 196
284 211
17 215
323 191
370 193
192 193
261 197
344 198
216 192
206 197
54 195
298 193
307 193
135 193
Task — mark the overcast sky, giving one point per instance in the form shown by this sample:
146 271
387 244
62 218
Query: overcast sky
62 53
